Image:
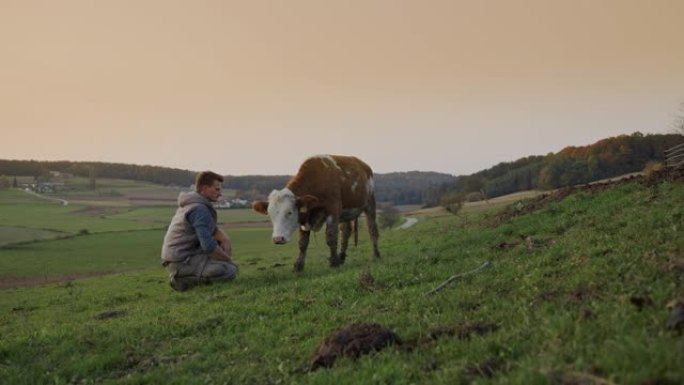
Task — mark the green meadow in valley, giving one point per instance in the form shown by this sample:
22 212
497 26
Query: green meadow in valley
576 293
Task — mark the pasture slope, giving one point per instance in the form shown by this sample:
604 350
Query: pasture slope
577 293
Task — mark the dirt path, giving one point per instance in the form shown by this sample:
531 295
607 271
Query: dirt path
409 222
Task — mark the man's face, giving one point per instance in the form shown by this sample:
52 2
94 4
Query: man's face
212 192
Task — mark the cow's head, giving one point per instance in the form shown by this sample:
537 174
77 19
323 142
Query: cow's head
285 210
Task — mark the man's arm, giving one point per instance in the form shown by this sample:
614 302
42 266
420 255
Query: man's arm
224 241
224 250
220 255
201 220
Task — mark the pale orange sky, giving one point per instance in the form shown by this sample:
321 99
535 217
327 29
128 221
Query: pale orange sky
255 87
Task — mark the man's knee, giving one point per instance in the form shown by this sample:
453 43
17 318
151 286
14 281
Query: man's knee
231 271
221 271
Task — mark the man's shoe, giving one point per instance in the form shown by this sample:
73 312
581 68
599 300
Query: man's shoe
182 284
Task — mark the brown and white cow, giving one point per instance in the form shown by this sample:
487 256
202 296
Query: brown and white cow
330 189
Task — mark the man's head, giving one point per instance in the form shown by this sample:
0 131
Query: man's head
208 184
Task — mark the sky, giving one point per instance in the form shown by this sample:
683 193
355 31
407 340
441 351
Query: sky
256 87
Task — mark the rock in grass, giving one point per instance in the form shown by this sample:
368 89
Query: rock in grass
366 280
676 320
352 341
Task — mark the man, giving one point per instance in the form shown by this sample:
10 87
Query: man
195 249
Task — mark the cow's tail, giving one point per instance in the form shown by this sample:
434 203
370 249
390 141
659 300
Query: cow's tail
356 231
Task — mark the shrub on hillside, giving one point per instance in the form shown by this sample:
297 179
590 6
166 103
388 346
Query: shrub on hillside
653 167
453 201
388 216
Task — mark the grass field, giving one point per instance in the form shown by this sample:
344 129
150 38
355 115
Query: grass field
576 294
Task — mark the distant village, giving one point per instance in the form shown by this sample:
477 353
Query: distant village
39 186
44 187
235 203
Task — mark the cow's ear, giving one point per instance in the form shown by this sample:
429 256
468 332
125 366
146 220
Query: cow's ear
306 203
260 207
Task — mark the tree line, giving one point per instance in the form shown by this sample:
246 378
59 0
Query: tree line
41 170
399 188
573 165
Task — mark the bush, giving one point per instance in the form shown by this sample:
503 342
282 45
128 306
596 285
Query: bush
653 167
388 216
453 201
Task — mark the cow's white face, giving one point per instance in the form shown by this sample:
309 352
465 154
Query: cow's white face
282 210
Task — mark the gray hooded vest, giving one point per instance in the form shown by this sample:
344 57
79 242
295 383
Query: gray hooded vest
181 240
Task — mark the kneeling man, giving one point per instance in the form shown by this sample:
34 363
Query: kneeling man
195 249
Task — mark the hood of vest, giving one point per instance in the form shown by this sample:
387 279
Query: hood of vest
188 198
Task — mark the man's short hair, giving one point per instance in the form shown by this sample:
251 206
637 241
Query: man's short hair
206 178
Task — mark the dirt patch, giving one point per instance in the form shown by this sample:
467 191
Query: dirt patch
594 377
367 281
13 282
676 320
549 296
505 245
101 211
486 368
352 341
582 294
641 301
110 314
463 332
143 364
469 306
576 296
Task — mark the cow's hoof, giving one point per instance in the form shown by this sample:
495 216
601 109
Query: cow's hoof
298 267
343 257
335 263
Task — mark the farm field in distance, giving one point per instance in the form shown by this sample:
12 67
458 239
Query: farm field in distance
577 292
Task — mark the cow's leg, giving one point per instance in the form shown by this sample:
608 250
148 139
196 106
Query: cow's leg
303 245
346 229
372 225
331 229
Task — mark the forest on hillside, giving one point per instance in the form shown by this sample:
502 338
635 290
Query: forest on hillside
399 188
571 166
42 171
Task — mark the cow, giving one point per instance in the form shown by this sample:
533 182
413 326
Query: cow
328 189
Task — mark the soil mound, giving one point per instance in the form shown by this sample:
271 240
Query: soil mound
352 341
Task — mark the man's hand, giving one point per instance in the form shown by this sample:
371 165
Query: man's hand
220 254
224 250
224 241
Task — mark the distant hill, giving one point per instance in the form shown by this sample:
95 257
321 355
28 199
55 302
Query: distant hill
42 170
413 187
399 188
571 166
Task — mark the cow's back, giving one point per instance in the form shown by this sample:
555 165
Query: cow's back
334 178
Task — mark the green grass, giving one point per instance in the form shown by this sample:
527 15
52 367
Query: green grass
87 253
71 218
559 292
10 235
